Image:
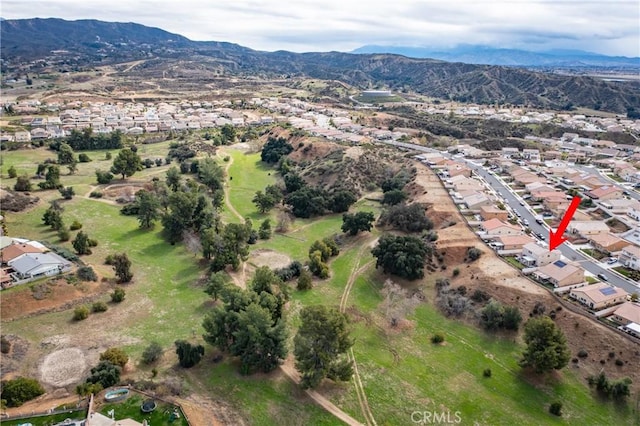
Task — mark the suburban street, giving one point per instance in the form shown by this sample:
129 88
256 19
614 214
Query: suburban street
513 202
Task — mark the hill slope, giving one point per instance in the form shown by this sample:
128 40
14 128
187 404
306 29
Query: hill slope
94 42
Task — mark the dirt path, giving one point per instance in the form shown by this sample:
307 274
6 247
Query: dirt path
227 201
288 369
362 396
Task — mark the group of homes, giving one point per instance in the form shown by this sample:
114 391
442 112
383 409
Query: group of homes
539 183
24 260
135 118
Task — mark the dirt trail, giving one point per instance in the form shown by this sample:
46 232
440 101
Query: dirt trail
227 201
362 396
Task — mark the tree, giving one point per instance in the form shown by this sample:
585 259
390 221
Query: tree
492 315
126 163
511 318
354 223
340 201
264 202
305 280
265 229
81 243
401 255
217 282
105 373
188 354
12 172
274 192
407 218
173 178
103 177
67 193
84 158
115 356
148 208
152 353
20 390
307 202
53 216
210 174
393 197
321 345
122 267
65 154
52 178
118 295
274 149
228 134
23 184
546 345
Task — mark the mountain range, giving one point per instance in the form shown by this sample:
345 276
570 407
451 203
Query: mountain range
92 43
478 54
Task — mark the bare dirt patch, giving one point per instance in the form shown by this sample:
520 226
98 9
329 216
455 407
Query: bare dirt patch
63 367
125 192
21 303
269 258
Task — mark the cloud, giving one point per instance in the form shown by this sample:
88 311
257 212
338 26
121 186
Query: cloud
609 26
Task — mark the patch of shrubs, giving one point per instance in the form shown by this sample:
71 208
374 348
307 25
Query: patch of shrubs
80 313
618 389
99 307
118 295
556 408
95 194
437 338
75 225
86 273
473 254
289 272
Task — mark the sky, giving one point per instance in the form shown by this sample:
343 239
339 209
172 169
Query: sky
609 27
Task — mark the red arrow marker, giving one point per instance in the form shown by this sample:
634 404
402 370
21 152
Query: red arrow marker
555 239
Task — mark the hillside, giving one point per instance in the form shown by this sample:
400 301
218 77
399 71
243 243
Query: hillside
90 42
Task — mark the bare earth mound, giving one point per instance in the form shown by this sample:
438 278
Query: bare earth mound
269 258
63 367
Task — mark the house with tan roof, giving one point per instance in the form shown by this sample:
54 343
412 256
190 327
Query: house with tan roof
608 243
475 200
630 257
586 228
496 227
14 251
599 296
627 313
492 212
607 192
534 254
512 244
560 274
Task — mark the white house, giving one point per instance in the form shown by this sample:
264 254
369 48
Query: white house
34 265
535 255
630 257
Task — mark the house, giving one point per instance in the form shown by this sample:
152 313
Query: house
16 250
634 212
585 228
606 192
475 200
630 257
512 244
607 242
22 136
495 227
493 212
560 274
535 255
35 265
627 313
599 296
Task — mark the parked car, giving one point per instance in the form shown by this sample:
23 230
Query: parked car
603 277
612 260
526 222
539 220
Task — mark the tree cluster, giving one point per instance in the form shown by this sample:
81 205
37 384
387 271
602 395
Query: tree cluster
20 390
495 316
406 218
268 199
188 354
87 140
321 345
249 324
307 201
403 256
52 178
274 149
319 253
618 389
356 222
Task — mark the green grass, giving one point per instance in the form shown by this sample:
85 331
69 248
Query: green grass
48 420
513 261
130 409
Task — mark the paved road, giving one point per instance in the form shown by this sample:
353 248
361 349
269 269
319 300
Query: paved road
514 203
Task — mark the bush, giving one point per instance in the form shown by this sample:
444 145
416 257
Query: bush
152 353
437 338
473 254
486 372
105 373
86 273
305 281
582 353
5 345
75 225
92 242
99 307
20 390
110 259
118 295
12 172
84 158
556 408
619 362
80 313
95 194
456 272
23 184
115 356
64 234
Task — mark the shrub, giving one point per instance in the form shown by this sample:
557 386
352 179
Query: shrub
110 259
480 296
486 372
118 295
107 156
152 353
473 254
75 225
5 345
86 273
305 281
84 158
64 234
105 373
95 194
456 272
12 172
582 353
99 307
20 390
437 338
115 356
80 313
619 362
92 242
23 184
556 408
